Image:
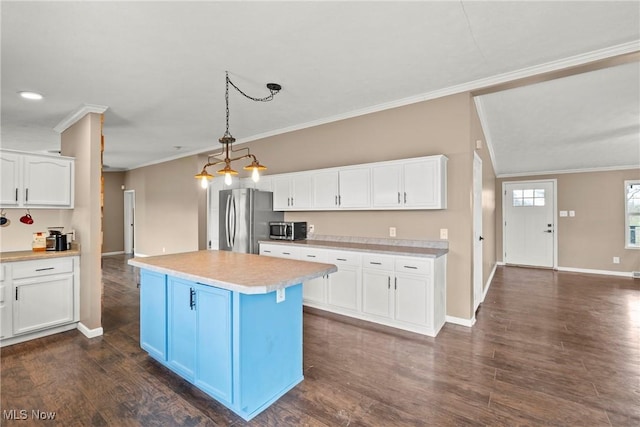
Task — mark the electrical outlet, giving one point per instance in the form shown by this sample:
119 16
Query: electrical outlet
280 295
444 234
392 232
616 260
311 228
163 250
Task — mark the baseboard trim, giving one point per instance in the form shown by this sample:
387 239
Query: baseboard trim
139 255
460 321
592 271
89 333
112 253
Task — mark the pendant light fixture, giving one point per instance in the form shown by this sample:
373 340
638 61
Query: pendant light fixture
227 141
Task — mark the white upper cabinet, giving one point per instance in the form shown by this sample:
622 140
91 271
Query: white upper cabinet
10 185
342 188
417 183
325 190
410 184
36 181
292 192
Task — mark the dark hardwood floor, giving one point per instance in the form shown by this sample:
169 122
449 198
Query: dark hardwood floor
548 348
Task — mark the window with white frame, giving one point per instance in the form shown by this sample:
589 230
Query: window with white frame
632 214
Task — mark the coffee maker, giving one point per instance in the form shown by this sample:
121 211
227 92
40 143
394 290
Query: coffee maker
56 241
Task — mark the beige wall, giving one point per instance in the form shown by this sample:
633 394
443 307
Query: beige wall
168 191
595 235
113 212
168 204
83 141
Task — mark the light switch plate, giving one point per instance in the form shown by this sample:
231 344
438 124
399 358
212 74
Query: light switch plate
280 295
392 232
564 213
444 233
572 213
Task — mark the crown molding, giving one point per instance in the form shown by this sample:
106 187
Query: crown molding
560 172
78 114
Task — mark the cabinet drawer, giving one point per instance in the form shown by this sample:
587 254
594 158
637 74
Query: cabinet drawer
344 258
414 265
38 268
379 262
279 251
313 254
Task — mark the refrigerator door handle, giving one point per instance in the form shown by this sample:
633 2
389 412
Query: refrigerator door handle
234 219
227 220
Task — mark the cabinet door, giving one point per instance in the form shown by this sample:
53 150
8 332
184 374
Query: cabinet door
48 182
42 302
355 188
182 326
214 337
377 293
325 190
10 179
153 314
386 186
421 183
343 287
6 330
301 191
281 193
413 299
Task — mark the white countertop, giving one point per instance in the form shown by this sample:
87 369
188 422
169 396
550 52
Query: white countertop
244 273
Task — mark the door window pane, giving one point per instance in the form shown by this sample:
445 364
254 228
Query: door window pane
632 214
528 197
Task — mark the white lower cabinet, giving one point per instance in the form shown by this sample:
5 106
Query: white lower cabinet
399 291
39 297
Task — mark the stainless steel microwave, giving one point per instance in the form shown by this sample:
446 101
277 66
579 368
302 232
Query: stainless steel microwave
285 230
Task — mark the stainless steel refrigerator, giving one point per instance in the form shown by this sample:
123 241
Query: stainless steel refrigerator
244 219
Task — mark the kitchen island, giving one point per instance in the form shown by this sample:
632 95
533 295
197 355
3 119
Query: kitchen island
229 323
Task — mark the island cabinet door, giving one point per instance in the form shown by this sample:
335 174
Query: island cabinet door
153 314
213 338
182 327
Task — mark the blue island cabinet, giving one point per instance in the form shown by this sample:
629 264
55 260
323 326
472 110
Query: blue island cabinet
244 350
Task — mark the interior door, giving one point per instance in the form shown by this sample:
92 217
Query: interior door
529 223
477 232
129 221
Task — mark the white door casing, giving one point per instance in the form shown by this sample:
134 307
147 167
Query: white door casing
529 232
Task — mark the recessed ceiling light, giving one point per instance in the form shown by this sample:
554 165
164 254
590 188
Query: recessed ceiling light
31 95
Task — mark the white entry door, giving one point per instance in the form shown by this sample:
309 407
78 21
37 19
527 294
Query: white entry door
529 223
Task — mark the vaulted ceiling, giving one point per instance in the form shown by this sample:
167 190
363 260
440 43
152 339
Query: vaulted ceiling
159 68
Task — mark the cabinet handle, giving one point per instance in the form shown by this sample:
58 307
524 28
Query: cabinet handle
292 201
398 197
311 256
286 253
411 267
388 282
16 294
192 298
395 283
339 200
267 252
375 263
336 202
405 197
45 269
16 194
341 259
26 194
